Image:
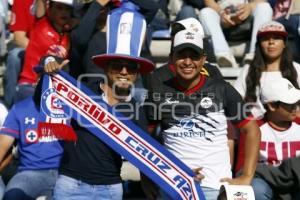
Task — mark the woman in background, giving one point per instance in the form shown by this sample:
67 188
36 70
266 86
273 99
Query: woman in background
272 59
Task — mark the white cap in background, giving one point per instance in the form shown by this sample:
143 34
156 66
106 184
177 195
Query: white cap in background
279 90
191 24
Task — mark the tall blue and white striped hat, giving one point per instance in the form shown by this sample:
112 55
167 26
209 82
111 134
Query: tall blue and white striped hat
125 36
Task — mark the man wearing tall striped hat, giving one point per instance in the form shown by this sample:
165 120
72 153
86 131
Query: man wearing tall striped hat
89 168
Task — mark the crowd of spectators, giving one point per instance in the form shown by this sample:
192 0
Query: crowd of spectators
76 30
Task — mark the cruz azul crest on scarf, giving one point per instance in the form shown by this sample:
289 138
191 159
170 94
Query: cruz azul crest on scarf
52 106
53 120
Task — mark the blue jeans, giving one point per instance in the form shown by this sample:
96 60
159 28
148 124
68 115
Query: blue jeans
14 64
23 91
67 188
186 12
30 184
211 23
291 25
261 189
209 193
2 187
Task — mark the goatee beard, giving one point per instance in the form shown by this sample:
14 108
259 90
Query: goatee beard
122 92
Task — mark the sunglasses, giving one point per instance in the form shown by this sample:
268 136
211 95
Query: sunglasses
288 107
118 65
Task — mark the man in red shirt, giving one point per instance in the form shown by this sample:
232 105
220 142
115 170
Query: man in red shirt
22 22
48 37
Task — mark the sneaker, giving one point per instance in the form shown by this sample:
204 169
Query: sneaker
226 60
248 58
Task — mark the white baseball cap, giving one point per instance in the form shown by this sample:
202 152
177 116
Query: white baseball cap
190 23
279 90
272 27
188 39
67 2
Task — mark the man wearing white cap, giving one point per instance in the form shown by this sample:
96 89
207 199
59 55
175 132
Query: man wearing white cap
280 138
166 71
192 110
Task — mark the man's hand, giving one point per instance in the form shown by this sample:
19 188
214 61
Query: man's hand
226 20
53 66
150 189
244 10
103 2
198 176
241 180
20 39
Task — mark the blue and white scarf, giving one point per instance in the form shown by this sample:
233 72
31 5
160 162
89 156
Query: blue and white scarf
126 138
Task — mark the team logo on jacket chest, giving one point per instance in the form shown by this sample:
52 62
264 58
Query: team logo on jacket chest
206 102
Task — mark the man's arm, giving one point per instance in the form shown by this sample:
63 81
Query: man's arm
252 142
5 143
86 28
40 8
6 161
148 8
21 39
239 114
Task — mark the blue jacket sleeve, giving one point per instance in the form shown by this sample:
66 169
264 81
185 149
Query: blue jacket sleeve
86 28
148 8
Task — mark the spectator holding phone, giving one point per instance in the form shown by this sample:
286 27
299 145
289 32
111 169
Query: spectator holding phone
229 14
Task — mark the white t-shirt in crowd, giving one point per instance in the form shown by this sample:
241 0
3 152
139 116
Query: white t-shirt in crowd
276 145
240 85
